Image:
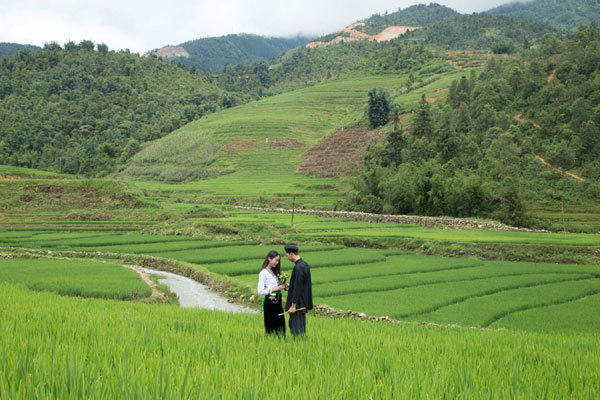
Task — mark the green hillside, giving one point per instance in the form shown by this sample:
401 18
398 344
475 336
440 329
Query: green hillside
83 109
212 54
562 14
7 49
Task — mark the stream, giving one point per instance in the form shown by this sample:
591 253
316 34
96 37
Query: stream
192 294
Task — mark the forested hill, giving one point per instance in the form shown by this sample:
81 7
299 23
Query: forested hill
562 14
474 153
83 109
11 48
417 15
484 31
211 54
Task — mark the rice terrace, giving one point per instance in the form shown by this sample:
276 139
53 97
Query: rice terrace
427 178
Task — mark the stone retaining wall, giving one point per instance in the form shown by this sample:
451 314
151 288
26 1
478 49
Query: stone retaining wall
426 222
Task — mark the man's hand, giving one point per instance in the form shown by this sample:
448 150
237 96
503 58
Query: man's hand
292 308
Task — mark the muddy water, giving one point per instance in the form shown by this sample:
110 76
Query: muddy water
193 294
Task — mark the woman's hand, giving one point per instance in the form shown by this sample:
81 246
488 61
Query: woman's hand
287 287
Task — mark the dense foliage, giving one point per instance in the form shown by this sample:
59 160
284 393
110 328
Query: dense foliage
563 14
483 31
83 109
211 54
417 15
472 153
7 49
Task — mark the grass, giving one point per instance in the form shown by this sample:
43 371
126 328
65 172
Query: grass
12 172
74 278
79 348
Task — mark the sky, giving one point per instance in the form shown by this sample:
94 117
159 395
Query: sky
144 25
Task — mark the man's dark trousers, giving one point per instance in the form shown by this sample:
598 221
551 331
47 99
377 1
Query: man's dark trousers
298 323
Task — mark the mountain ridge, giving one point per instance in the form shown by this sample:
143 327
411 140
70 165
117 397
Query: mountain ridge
213 53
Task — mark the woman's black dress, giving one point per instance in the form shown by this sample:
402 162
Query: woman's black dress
274 323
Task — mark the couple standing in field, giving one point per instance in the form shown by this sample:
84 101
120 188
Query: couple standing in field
299 299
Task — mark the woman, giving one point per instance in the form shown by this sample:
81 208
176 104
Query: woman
270 287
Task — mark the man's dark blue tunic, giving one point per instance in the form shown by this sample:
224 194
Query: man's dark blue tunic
300 293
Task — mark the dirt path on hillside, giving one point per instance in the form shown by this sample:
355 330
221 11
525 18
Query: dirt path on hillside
558 170
144 276
520 118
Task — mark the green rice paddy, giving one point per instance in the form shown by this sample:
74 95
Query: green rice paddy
73 277
378 282
57 347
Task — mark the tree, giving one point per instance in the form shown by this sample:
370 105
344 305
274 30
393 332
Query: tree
393 147
379 107
423 124
512 210
102 48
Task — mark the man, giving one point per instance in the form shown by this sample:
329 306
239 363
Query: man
300 291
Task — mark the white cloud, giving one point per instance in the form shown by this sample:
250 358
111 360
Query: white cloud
145 25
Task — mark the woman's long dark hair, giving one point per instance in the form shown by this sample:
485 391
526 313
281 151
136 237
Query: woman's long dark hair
272 254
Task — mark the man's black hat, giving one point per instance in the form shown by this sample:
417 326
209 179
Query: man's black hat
291 248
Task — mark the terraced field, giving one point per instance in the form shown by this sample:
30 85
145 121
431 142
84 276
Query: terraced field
402 285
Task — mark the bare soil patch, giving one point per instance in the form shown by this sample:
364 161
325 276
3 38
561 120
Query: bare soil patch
286 144
338 154
392 32
350 34
6 176
239 146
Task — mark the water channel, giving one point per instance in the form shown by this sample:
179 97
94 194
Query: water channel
194 294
